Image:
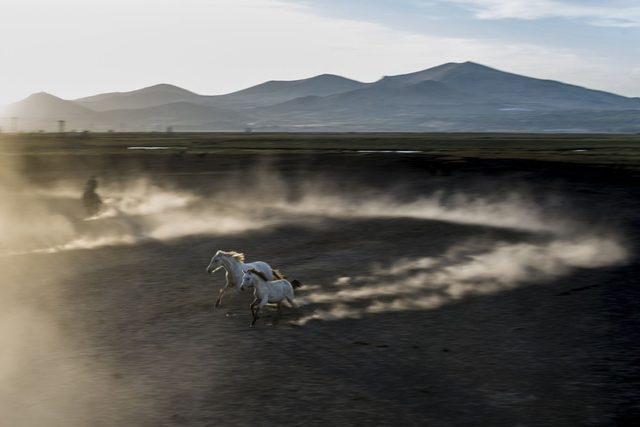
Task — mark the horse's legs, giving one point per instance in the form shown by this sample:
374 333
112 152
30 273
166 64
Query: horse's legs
221 292
292 303
220 295
255 316
258 308
252 306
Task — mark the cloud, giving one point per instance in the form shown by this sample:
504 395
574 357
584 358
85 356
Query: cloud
610 14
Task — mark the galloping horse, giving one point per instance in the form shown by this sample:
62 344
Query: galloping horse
268 291
233 263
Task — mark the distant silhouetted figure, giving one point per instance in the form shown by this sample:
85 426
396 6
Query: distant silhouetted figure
92 202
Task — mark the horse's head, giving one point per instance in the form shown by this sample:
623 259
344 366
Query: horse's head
216 262
248 280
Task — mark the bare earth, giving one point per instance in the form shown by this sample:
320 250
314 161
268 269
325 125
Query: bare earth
136 342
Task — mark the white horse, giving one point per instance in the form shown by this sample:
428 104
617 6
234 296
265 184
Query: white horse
234 266
268 291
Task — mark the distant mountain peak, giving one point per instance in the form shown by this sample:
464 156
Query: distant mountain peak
43 96
475 64
163 87
470 65
43 104
150 96
315 79
277 91
327 76
436 73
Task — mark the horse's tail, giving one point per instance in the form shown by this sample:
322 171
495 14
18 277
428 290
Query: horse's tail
277 274
296 284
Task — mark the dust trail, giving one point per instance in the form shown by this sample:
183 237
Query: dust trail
51 220
49 375
510 211
469 268
139 209
141 197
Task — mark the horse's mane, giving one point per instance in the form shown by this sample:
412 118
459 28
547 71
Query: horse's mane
237 255
259 274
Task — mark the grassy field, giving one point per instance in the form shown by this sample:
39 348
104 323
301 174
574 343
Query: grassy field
605 149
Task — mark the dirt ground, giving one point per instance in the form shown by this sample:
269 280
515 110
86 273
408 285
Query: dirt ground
437 291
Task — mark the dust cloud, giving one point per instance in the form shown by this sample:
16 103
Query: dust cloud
51 221
139 209
467 269
48 372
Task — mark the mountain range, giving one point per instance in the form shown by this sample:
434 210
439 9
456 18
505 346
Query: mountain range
453 97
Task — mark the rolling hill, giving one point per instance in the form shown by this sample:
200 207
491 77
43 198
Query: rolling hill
151 96
450 97
277 91
43 105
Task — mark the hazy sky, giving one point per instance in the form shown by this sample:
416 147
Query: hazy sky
73 48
